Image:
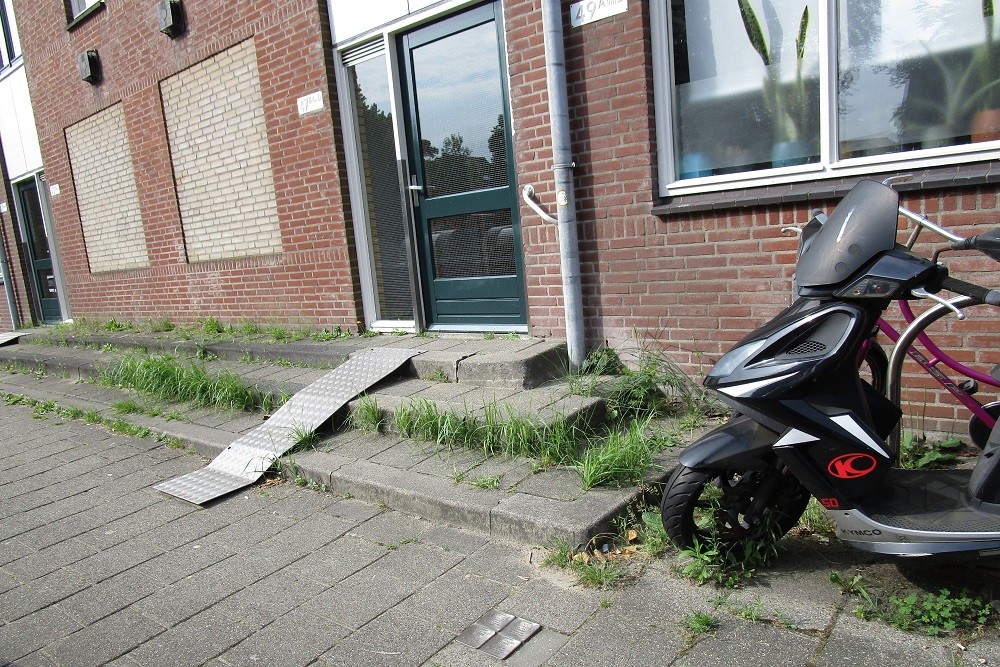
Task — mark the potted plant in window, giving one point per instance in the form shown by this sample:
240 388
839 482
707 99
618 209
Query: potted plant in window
967 102
787 103
985 124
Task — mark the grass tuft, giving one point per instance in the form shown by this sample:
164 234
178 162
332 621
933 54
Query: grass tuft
622 457
167 378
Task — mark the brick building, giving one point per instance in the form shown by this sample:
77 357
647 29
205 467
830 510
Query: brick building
325 162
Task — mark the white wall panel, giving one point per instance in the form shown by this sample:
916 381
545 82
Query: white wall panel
17 126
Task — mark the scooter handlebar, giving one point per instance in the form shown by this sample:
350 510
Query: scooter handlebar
981 294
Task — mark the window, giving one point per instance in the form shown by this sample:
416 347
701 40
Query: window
792 89
10 45
77 8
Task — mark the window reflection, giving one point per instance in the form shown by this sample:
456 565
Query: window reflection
916 74
746 85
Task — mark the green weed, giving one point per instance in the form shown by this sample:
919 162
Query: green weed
815 519
161 326
711 561
303 437
367 416
114 325
622 457
127 407
165 377
699 622
916 452
213 327
941 613
487 482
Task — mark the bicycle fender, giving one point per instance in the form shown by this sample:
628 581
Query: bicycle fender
739 443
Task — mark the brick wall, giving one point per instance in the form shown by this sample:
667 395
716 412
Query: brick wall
106 193
690 284
218 144
310 280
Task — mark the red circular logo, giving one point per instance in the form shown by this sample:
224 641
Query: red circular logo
852 466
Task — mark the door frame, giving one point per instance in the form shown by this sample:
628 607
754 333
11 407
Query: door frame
386 39
31 281
433 208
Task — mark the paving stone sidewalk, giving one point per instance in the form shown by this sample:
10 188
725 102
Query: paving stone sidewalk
98 568
529 505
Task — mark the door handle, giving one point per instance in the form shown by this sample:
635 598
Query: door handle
415 191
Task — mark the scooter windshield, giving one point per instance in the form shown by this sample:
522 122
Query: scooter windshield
862 226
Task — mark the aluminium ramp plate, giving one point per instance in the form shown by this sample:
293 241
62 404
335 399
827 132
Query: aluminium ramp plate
249 456
9 337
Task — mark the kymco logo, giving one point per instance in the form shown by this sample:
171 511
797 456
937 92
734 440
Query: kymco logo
852 466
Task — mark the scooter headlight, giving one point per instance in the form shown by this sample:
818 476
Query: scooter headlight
871 288
735 358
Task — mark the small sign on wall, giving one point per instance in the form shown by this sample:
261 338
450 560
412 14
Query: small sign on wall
54 190
581 13
310 103
3 207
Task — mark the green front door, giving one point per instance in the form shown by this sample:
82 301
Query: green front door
43 278
462 172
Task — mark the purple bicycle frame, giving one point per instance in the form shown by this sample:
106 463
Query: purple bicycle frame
938 356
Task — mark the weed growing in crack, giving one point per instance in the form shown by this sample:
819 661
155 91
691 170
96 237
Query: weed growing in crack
303 437
699 622
487 482
367 416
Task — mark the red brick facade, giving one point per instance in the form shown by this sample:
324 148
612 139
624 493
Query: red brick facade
312 281
694 282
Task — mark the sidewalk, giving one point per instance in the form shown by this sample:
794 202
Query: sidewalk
529 504
98 568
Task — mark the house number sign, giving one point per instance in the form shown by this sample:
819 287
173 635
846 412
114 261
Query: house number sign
581 13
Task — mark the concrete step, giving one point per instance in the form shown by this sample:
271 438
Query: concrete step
544 405
521 363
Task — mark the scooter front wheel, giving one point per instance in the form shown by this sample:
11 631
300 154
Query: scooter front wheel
731 507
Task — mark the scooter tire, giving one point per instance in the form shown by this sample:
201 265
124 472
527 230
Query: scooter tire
683 498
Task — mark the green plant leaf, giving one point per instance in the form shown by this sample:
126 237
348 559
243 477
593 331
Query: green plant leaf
800 41
756 34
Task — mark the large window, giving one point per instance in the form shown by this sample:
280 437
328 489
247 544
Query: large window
10 46
785 89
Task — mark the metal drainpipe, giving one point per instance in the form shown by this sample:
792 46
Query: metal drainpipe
562 169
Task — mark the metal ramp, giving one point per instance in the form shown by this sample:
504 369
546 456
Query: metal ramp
249 456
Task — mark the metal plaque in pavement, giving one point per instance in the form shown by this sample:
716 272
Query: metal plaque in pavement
249 456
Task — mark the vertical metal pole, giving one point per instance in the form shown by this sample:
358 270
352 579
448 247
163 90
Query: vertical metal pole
562 169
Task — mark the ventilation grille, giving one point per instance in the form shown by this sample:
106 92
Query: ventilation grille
807 347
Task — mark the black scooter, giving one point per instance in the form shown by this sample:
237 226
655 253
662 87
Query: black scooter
807 424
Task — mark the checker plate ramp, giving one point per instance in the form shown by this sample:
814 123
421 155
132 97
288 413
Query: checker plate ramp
245 460
9 337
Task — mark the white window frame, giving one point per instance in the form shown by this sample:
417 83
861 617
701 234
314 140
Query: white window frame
10 40
827 168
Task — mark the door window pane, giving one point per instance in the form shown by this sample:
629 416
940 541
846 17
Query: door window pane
915 74
746 85
474 245
463 145
380 179
35 223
